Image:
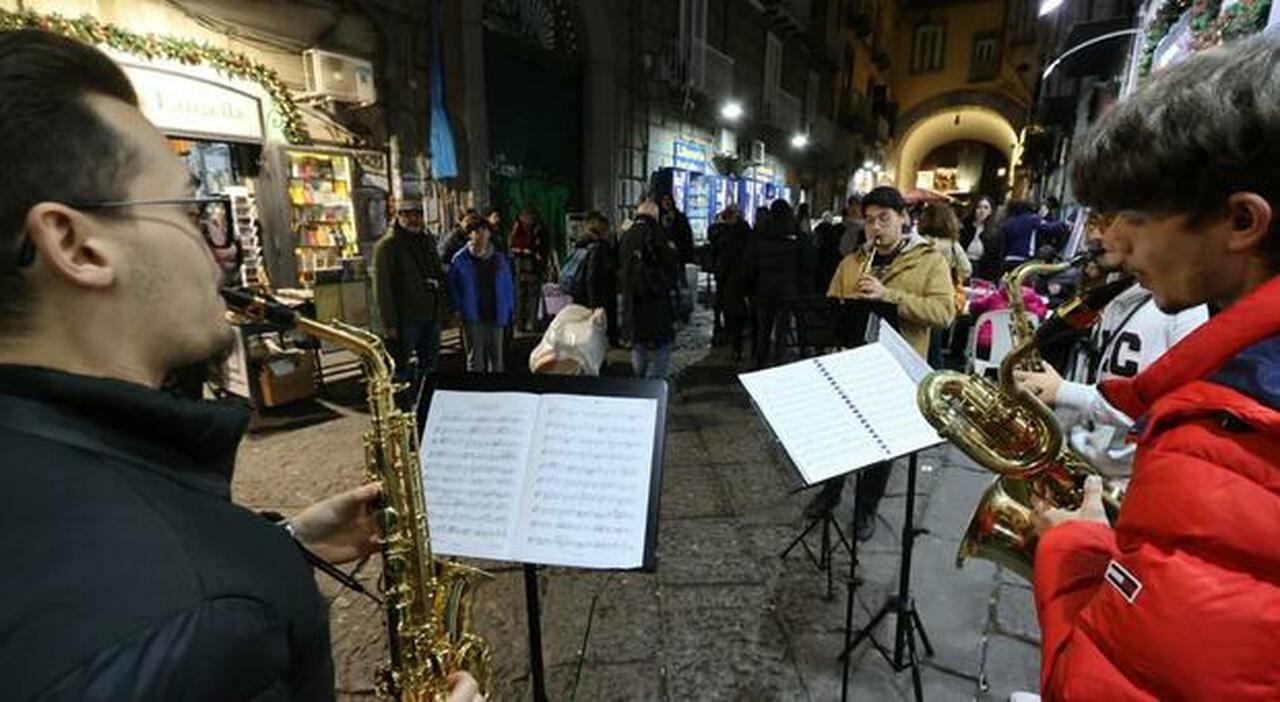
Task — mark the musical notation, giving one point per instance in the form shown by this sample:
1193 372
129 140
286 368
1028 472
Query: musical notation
847 410
551 479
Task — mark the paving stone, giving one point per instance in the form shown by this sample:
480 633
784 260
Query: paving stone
290 470
727 654
1011 665
742 597
704 551
623 627
684 448
692 491
953 604
641 682
1016 612
746 442
759 492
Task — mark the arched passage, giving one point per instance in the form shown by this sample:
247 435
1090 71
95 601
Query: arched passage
952 124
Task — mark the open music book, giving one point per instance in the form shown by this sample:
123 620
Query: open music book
837 413
540 478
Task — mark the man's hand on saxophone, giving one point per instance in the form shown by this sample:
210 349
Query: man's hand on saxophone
464 688
1042 384
1046 517
341 528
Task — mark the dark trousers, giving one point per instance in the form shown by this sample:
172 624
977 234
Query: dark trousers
870 487
420 339
762 333
734 328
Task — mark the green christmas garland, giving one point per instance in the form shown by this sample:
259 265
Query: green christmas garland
1165 18
1210 25
150 46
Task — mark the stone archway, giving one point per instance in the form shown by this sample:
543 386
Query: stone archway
950 124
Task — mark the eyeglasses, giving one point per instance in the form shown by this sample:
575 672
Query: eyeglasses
210 215
884 219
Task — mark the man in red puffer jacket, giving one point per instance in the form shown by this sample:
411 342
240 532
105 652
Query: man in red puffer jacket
1181 601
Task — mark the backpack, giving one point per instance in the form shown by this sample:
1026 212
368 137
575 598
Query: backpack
573 273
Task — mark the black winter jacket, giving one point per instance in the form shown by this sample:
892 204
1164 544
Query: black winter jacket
649 316
778 261
129 574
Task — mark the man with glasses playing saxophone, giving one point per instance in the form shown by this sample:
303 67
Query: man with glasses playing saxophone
1131 334
903 269
129 572
1181 600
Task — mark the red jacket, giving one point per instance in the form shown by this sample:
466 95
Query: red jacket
1182 600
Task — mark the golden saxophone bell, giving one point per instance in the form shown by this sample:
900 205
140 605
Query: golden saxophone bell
1000 529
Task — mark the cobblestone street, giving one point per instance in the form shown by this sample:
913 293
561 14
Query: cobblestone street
724 617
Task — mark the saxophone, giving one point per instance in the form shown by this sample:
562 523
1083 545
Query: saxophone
427 602
1013 433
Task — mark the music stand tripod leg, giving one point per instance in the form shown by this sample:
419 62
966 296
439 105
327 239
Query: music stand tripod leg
908 621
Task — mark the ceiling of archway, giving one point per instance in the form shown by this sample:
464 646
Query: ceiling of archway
975 123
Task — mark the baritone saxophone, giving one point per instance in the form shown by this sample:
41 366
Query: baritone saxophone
427 602
1013 434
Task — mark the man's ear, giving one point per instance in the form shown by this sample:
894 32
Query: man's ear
1251 220
68 244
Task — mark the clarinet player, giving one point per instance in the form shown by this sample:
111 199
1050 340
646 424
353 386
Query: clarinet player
130 574
903 269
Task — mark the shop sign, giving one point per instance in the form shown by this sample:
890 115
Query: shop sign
692 156
181 105
924 180
764 173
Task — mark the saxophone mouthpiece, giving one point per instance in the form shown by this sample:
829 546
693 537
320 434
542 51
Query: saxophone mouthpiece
250 304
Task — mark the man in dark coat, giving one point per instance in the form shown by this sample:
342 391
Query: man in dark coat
410 286
678 228
129 573
776 271
729 238
650 268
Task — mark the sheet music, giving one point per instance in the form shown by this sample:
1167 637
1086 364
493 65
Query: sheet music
587 501
911 361
811 420
549 479
875 379
475 447
841 412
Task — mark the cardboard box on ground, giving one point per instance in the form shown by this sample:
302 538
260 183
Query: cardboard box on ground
286 377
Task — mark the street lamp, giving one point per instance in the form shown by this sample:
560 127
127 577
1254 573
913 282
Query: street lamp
731 110
1048 6
799 141
1084 45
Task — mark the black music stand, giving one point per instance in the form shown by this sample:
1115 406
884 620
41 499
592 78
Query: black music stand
572 385
817 325
902 605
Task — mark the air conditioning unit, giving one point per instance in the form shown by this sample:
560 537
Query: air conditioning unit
339 78
757 151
